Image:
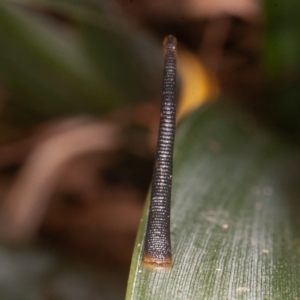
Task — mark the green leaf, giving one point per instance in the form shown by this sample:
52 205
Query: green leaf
232 228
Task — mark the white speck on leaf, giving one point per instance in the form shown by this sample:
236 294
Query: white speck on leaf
225 226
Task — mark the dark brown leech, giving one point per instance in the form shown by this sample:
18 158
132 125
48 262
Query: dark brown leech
157 246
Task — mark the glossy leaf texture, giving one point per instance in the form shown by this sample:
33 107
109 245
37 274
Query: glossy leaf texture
234 208
90 62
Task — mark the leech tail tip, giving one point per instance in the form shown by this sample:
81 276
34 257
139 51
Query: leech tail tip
170 39
157 263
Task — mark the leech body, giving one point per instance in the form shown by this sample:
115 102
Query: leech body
157 245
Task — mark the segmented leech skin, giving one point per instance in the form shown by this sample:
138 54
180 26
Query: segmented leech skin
157 245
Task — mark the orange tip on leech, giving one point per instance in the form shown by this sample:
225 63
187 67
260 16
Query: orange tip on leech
157 263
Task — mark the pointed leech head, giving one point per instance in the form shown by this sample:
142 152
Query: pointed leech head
157 245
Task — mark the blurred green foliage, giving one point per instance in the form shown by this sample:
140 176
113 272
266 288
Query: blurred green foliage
89 62
37 274
282 55
62 57
282 38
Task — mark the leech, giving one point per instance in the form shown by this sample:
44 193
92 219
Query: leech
157 245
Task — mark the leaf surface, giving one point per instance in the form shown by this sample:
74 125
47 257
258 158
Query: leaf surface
233 229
